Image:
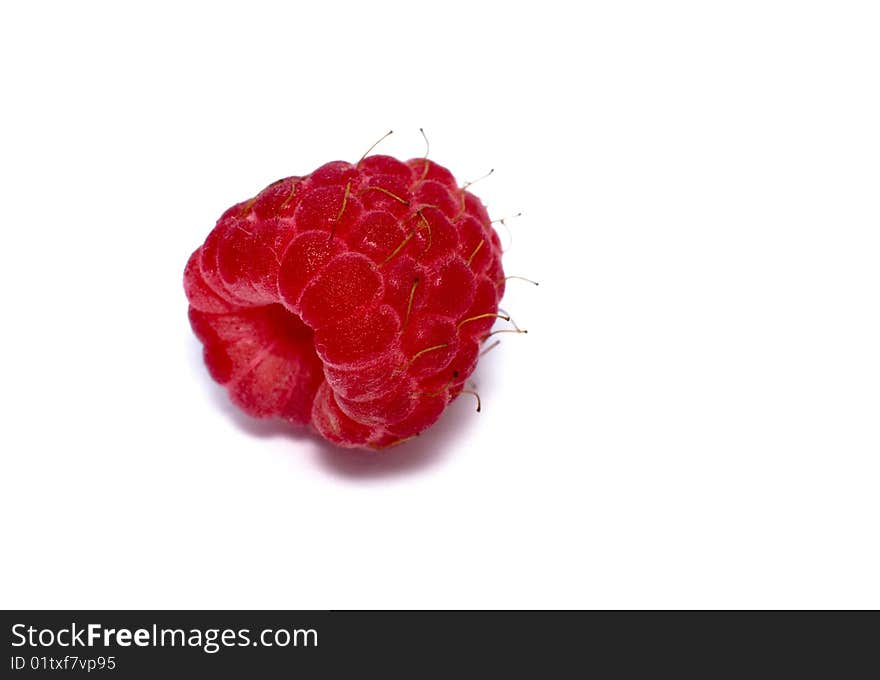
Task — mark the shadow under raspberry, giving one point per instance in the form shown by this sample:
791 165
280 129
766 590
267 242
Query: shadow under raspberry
444 438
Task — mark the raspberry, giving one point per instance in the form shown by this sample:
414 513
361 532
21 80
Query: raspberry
353 299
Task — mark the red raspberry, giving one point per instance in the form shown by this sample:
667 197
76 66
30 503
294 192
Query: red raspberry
354 298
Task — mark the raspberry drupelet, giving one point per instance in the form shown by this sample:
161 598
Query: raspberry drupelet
353 299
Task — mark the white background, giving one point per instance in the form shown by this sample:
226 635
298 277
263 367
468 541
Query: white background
692 420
